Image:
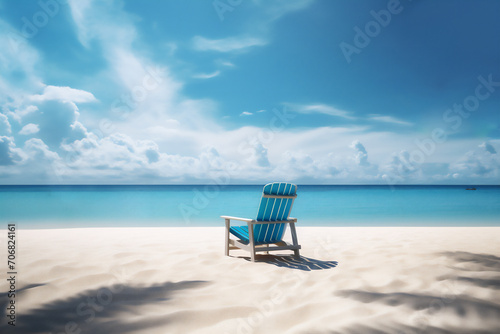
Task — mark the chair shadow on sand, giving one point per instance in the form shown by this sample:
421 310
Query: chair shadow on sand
290 262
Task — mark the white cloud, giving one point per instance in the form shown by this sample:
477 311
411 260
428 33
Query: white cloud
5 154
479 165
79 9
388 119
64 94
400 168
38 151
58 122
210 160
206 75
29 129
319 109
5 127
246 113
295 166
20 113
483 162
123 159
229 44
117 152
227 63
9 154
258 157
361 157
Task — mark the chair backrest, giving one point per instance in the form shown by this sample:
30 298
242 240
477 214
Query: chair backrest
275 205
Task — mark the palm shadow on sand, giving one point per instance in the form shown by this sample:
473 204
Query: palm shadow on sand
451 301
476 263
99 311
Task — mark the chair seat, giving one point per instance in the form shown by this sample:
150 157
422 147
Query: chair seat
242 233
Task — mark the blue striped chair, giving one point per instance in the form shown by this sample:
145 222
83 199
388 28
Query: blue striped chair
270 224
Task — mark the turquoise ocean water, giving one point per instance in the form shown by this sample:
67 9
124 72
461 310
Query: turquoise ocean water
201 205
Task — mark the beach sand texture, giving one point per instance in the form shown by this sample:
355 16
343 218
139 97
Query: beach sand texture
177 280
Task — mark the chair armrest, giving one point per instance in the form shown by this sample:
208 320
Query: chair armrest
238 218
261 222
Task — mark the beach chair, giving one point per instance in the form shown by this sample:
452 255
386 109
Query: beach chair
269 226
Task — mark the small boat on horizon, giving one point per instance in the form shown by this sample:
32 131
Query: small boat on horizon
470 188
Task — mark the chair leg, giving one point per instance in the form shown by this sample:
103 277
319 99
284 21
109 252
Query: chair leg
296 253
252 242
294 239
227 238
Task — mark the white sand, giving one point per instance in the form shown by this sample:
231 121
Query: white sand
177 280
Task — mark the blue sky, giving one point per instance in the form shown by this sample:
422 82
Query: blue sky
250 91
